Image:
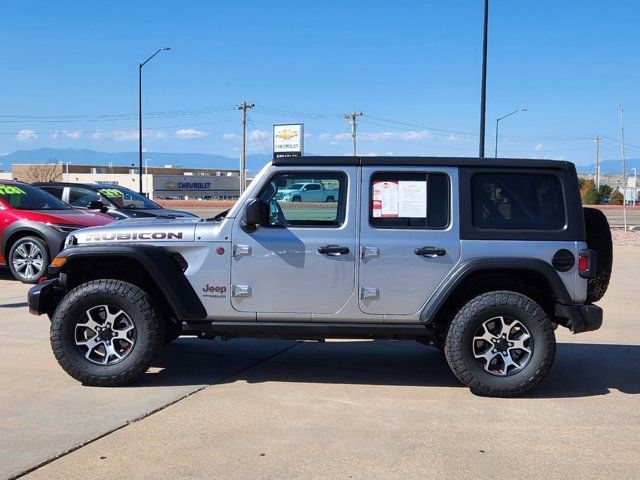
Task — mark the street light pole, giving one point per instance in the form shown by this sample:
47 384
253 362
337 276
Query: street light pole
140 65
483 94
498 125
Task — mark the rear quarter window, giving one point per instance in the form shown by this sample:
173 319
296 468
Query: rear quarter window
513 201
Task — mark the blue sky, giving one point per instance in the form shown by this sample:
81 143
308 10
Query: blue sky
69 75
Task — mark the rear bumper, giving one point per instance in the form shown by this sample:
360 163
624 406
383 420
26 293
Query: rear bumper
44 297
580 318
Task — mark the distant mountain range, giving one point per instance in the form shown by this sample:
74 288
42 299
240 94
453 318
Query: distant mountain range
156 159
197 160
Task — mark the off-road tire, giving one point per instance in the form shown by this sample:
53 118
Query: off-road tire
599 240
138 306
45 257
459 341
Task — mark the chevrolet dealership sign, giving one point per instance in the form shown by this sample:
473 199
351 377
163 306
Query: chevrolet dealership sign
288 140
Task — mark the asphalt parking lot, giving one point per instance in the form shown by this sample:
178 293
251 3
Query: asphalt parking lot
255 409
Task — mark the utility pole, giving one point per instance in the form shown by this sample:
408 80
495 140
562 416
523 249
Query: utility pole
244 106
624 170
352 118
483 94
598 162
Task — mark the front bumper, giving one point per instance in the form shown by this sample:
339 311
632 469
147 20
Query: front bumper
45 297
580 318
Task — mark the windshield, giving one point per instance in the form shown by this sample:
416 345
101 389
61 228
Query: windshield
295 186
127 199
26 197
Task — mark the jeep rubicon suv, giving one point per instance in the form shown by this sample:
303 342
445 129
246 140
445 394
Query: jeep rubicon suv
480 258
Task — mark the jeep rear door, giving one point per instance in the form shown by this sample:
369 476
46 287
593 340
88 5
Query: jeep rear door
302 260
409 236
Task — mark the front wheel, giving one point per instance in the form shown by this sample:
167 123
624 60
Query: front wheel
28 259
500 344
106 333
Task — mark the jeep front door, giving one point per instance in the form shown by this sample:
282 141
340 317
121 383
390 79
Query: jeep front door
301 260
409 238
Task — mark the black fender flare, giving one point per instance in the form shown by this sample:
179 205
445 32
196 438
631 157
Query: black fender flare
53 239
474 265
156 262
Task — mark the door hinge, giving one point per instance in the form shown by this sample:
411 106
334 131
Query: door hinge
241 251
367 293
240 291
369 252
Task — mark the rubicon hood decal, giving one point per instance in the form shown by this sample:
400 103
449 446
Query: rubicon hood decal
140 231
129 236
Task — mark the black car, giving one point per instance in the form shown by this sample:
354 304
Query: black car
114 200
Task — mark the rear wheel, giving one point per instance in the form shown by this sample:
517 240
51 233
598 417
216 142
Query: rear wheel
330 199
28 259
106 333
296 199
500 344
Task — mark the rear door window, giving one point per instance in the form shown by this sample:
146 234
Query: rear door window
517 201
416 200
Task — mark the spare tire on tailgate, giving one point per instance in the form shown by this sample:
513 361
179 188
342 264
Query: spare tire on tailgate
599 240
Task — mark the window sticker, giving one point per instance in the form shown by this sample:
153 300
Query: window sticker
385 200
111 192
412 198
11 190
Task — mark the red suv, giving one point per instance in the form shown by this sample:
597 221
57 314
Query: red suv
33 228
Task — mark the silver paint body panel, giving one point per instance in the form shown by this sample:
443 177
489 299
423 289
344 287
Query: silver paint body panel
286 279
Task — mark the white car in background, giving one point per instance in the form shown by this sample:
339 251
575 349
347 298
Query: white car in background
307 192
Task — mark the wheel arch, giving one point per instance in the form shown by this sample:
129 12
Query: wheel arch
477 276
150 268
18 230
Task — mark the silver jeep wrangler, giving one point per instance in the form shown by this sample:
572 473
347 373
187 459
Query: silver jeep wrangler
480 258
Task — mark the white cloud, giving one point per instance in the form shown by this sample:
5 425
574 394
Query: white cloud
538 147
128 135
410 136
229 136
307 135
73 135
453 138
369 154
26 135
258 134
190 133
55 134
342 136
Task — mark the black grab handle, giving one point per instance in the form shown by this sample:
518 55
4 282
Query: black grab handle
333 250
430 251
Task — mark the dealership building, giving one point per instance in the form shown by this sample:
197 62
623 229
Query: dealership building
167 182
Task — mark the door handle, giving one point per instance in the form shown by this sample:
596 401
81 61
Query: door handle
333 250
431 252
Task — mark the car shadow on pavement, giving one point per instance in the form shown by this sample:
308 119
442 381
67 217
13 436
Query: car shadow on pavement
5 274
579 370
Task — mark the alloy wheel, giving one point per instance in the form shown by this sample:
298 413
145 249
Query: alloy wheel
28 260
107 336
502 345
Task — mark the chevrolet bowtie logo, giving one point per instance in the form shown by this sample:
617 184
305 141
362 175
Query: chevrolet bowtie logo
287 134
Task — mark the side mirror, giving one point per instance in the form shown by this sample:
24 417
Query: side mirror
95 205
253 215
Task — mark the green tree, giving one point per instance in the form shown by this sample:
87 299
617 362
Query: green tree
616 198
590 197
604 191
581 182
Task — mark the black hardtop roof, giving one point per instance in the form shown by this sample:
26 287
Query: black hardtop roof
426 162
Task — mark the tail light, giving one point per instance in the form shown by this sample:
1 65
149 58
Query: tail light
587 263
